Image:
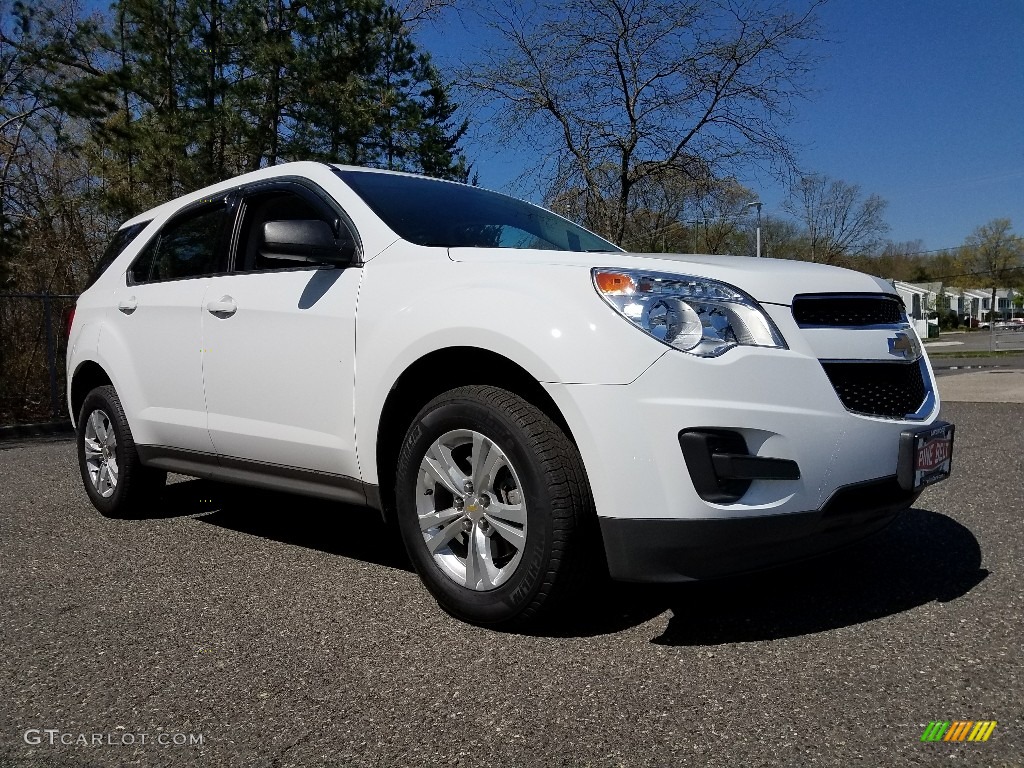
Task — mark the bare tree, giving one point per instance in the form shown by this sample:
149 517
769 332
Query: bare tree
837 219
637 87
658 213
993 251
415 12
780 238
725 215
663 204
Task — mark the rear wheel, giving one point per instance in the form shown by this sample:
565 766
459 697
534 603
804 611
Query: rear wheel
494 507
115 479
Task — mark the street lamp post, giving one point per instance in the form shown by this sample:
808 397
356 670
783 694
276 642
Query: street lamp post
757 204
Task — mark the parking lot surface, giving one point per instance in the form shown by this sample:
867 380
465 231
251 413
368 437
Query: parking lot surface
279 631
1008 338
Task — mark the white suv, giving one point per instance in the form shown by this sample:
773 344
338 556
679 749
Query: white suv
533 405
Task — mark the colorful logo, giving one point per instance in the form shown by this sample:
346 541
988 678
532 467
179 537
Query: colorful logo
958 730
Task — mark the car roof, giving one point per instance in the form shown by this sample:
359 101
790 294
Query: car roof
299 168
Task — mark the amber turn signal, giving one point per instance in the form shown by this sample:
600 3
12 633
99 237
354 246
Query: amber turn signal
614 283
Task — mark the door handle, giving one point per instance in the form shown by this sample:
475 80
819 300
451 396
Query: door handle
223 307
128 305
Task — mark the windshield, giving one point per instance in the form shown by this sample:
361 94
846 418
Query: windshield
441 213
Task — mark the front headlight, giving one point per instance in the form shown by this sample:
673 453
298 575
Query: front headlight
700 316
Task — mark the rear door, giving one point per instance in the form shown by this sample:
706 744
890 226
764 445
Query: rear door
157 328
279 347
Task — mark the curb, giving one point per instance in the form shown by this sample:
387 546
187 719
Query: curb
967 366
21 431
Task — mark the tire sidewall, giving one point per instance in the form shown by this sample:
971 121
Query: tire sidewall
515 595
101 399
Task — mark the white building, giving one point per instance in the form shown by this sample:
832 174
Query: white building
920 302
976 303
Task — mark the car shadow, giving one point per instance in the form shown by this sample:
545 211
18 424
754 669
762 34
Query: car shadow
328 526
318 285
921 558
185 498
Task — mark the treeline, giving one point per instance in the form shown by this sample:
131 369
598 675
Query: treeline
104 116
829 221
991 256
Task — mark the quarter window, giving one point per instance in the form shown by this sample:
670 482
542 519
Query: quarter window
122 239
188 246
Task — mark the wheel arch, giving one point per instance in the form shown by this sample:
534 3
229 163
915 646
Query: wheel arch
87 376
439 371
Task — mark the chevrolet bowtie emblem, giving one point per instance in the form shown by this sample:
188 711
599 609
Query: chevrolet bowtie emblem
901 345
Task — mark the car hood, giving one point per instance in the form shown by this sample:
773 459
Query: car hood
773 281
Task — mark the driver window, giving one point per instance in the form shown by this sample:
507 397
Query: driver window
276 205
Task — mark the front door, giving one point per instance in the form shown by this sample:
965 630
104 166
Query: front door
279 348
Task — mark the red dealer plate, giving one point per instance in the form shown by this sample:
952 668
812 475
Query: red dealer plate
933 455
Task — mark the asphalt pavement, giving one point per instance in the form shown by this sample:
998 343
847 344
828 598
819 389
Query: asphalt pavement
240 628
964 377
983 340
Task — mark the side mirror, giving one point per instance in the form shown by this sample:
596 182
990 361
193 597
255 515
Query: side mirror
308 241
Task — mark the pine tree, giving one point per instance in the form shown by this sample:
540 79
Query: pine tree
437 148
194 91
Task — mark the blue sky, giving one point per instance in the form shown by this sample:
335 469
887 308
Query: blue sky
921 102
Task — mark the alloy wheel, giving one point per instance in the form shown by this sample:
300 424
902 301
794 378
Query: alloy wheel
471 509
101 453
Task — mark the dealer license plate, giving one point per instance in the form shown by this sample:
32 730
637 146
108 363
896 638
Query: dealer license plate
932 455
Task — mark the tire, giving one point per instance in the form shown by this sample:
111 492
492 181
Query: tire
518 544
117 483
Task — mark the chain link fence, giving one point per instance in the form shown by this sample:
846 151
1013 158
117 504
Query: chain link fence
33 344
1008 336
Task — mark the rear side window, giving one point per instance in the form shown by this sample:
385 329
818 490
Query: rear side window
188 246
122 239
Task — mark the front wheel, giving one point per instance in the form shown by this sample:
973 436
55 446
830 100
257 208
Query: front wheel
115 479
494 507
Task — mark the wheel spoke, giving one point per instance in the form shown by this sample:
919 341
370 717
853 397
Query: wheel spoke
514 536
512 513
92 447
437 518
102 483
112 472
439 463
98 427
486 461
478 561
440 540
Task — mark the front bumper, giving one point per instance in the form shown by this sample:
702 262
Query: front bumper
652 550
658 526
